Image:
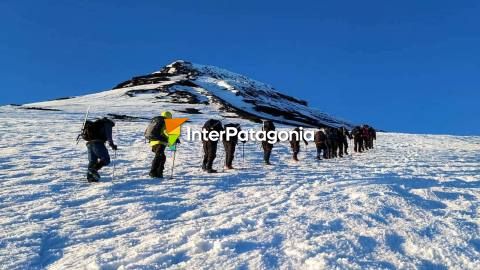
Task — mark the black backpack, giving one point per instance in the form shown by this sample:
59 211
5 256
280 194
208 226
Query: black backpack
156 129
268 125
356 131
230 126
213 124
320 137
94 130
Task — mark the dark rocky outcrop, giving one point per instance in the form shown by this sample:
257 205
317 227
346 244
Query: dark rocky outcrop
39 109
185 80
123 117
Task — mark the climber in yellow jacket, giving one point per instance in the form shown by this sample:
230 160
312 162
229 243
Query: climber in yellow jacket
158 139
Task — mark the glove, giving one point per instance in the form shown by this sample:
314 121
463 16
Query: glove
114 147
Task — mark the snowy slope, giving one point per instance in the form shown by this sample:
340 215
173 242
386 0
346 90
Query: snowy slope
412 203
208 90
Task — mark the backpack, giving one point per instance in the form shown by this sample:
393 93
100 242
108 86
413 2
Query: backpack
156 129
372 132
231 126
365 132
213 124
356 131
331 134
94 130
320 137
268 125
235 126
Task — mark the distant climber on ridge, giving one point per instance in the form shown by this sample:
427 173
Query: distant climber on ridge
230 144
267 147
321 144
295 142
343 136
357 139
210 146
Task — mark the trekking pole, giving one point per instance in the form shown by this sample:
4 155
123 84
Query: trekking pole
225 162
306 146
114 156
224 159
113 163
243 154
173 163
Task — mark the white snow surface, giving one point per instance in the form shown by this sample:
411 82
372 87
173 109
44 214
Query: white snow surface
411 203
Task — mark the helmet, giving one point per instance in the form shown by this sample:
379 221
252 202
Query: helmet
167 114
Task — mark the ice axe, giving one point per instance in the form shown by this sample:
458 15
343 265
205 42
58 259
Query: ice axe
83 126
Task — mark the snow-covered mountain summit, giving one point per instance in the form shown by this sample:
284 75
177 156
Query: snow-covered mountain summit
201 89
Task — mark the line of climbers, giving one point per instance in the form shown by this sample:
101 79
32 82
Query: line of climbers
333 142
330 143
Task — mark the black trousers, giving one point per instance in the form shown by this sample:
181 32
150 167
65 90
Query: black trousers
158 163
229 153
209 154
295 149
322 150
342 147
267 151
358 145
332 148
370 143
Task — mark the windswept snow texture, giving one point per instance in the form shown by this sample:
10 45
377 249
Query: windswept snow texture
412 203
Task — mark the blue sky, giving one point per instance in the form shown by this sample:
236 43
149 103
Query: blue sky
409 66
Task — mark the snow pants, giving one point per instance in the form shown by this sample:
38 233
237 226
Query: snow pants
295 145
267 151
209 154
158 163
229 153
97 155
322 150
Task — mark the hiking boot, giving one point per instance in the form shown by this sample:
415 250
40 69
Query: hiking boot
211 171
155 175
93 174
98 166
92 178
